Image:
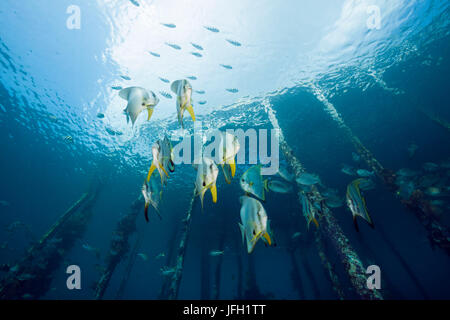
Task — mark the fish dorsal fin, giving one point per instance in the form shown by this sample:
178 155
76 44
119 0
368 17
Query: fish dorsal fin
175 85
124 93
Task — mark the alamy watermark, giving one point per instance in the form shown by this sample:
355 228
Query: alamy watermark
74 20
374 20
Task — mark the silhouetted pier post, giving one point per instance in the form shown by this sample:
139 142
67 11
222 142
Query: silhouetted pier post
333 277
328 224
131 260
218 271
205 268
169 261
435 118
30 278
119 247
181 253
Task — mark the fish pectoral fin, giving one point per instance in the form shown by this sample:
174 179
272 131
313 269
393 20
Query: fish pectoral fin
191 112
241 227
266 185
150 171
162 167
213 189
225 174
232 166
150 112
267 237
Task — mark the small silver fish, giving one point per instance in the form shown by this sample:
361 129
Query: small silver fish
279 186
308 179
234 43
174 46
197 46
166 271
364 173
212 29
169 25
216 253
143 256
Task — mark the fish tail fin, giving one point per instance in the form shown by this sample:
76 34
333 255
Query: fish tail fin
150 112
191 112
171 166
146 210
150 171
214 192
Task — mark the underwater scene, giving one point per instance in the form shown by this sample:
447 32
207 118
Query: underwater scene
224 150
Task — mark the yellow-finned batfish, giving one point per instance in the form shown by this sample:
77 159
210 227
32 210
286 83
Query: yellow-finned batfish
230 148
207 173
357 204
138 99
162 152
152 192
167 158
253 222
309 211
252 182
183 90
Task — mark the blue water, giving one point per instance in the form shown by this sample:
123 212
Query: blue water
55 80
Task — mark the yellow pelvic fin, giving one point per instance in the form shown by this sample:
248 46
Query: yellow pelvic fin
150 112
315 222
213 189
191 112
150 171
267 237
232 166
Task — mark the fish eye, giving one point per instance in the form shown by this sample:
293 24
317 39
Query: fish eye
204 184
254 232
143 104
